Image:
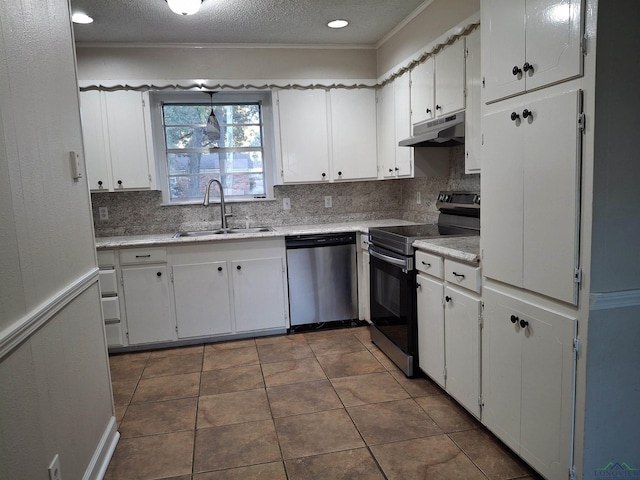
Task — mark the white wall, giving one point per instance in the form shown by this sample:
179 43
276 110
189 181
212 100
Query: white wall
55 392
424 28
218 62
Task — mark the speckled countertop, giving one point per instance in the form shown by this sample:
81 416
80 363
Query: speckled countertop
466 249
166 239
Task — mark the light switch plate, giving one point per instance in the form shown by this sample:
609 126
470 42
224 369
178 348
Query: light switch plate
76 165
327 201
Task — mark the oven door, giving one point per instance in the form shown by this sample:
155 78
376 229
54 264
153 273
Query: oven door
393 299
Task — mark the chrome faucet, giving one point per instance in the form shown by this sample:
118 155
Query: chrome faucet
223 213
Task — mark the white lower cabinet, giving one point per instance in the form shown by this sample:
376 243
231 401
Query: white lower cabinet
528 370
462 347
223 288
202 299
431 327
146 300
258 291
449 327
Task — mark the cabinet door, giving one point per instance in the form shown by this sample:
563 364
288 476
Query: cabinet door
551 196
548 367
462 347
553 41
258 290
450 79
304 135
404 155
202 299
353 134
127 140
146 299
501 368
422 92
502 197
95 140
386 130
503 47
431 328
473 116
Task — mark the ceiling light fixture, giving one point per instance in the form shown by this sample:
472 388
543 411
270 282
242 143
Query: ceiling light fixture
184 7
337 24
81 18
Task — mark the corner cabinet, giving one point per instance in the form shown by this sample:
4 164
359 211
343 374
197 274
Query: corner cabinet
318 129
116 129
529 363
531 194
529 44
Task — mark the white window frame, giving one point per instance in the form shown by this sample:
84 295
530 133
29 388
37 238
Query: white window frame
157 99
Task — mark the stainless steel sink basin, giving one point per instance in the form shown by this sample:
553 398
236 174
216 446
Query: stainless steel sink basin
221 231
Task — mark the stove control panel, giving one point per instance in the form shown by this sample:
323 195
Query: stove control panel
449 200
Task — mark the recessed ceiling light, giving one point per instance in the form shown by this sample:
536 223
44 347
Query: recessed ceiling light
337 24
81 18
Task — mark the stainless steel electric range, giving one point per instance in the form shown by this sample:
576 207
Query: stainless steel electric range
393 276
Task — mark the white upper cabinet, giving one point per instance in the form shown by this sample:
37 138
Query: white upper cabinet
423 91
353 134
117 140
394 124
437 84
473 110
327 136
530 195
528 44
304 135
450 79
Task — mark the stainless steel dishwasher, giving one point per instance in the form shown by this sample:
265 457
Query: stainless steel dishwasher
322 278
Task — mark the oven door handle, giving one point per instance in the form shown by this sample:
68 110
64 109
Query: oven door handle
386 258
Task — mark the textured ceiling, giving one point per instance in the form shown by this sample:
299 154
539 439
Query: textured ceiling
300 22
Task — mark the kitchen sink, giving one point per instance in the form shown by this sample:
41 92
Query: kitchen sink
222 231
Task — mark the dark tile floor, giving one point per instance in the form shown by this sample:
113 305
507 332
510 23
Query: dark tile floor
322 405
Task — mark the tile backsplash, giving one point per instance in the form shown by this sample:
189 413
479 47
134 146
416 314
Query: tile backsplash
139 213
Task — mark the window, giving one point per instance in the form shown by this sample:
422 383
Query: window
239 156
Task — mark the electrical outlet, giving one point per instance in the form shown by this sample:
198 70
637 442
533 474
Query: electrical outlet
327 201
418 198
54 469
104 214
286 204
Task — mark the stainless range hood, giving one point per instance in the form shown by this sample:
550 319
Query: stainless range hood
443 132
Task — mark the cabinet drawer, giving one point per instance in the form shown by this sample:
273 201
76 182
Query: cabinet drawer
463 275
429 264
111 309
114 334
106 258
108 282
135 256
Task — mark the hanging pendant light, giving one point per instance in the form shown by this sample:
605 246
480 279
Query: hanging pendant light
184 7
213 127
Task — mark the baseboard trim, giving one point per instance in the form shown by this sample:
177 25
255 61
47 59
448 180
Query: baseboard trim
102 456
14 335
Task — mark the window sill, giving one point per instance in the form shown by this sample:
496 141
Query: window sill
216 201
